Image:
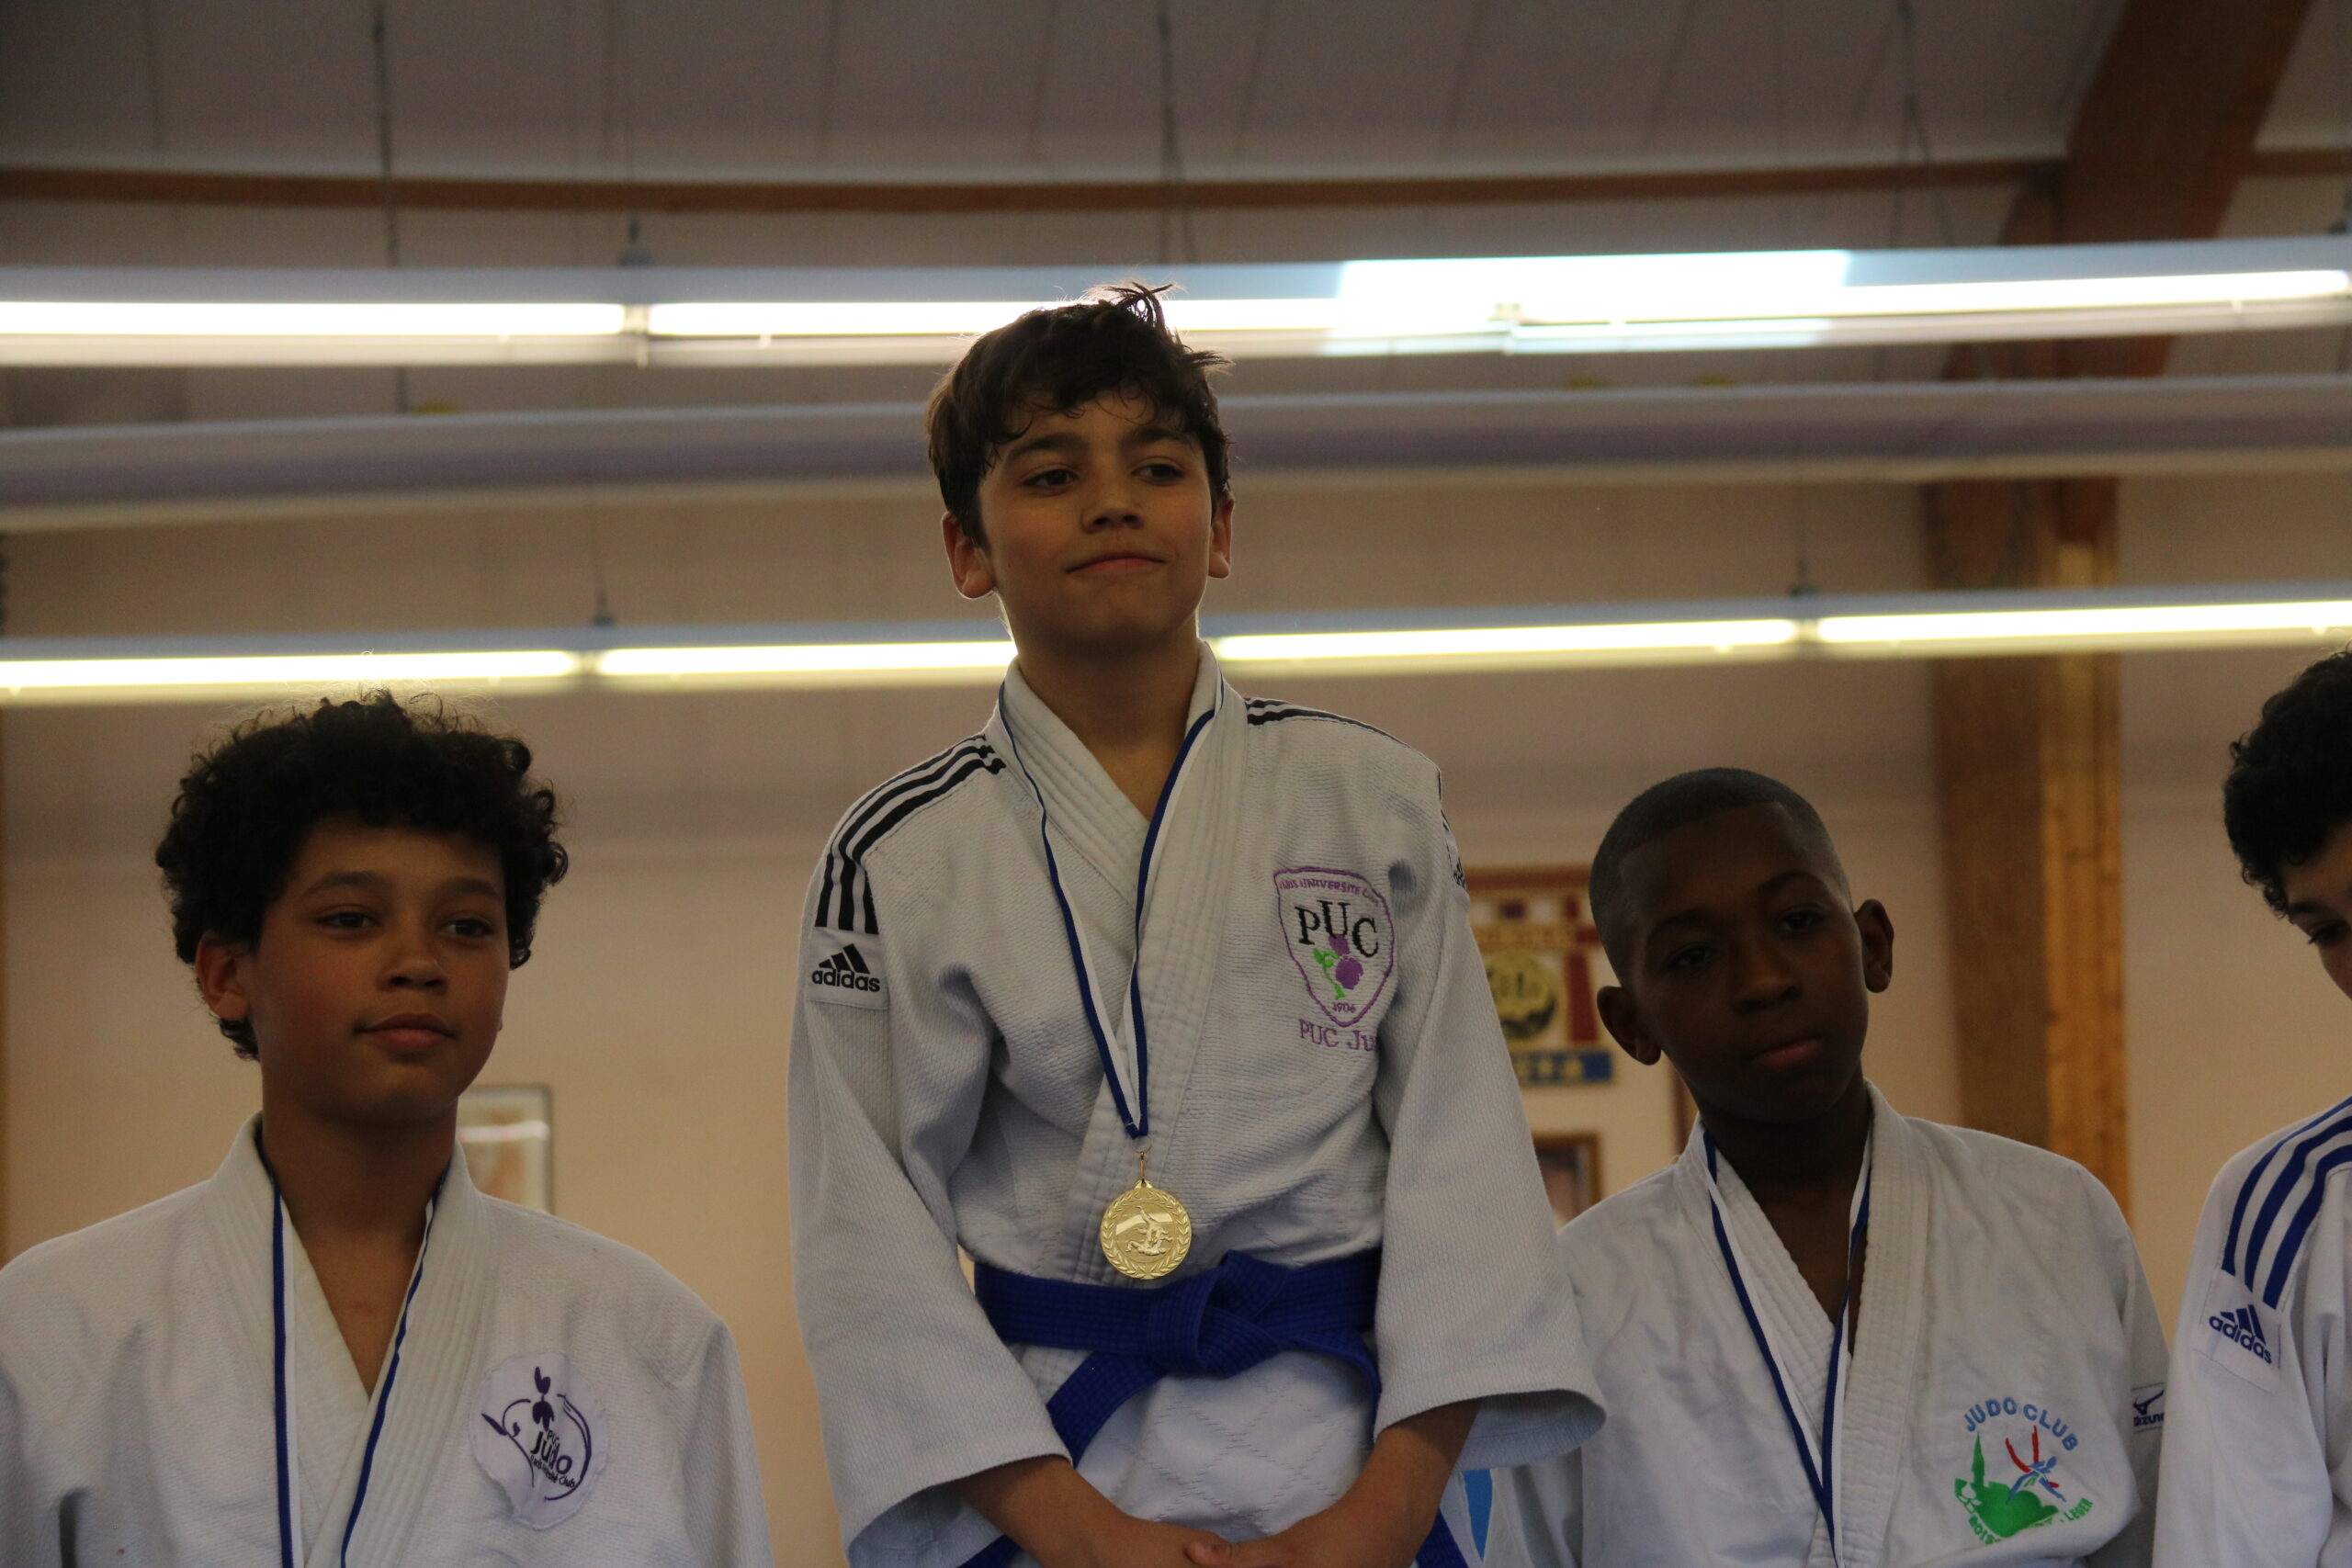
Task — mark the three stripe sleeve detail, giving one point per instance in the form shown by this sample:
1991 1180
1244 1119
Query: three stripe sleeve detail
845 897
2280 1199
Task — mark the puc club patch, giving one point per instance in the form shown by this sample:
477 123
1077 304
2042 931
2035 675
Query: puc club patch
540 1435
1340 933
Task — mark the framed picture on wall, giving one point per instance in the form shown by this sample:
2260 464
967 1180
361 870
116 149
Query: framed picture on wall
507 1131
1544 964
1571 1165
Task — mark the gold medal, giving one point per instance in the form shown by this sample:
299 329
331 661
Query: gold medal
1145 1231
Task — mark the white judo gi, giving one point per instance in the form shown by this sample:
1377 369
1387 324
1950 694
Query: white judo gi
2259 1454
1326 1076
2004 1323
137 1404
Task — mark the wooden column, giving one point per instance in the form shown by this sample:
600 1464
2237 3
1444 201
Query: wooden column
2029 774
5 1252
2031 791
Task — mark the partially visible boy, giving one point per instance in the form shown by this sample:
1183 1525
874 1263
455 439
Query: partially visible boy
336 1351
1828 1333
2258 1462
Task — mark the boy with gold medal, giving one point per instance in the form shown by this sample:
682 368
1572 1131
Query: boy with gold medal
1162 1004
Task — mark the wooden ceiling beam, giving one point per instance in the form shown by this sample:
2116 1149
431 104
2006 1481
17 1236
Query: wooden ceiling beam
201 189
197 188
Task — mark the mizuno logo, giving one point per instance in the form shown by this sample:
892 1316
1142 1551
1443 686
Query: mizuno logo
846 971
2242 1329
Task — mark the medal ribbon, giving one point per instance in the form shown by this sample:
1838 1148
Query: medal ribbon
1823 1456
289 1459
1126 1056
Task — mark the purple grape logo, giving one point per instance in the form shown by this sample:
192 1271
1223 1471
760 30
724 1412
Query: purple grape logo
1342 971
1338 928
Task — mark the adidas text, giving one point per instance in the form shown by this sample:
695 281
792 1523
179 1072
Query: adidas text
2240 1328
846 976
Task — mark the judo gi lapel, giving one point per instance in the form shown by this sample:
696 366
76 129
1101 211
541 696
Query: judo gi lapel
1888 1351
426 1422
238 1212
1091 815
1876 1369
1190 904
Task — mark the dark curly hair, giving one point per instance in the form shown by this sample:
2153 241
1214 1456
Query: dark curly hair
247 805
1115 341
2291 776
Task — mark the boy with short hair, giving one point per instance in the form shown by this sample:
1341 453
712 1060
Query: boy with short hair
1828 1334
336 1351
1163 1003
2259 1461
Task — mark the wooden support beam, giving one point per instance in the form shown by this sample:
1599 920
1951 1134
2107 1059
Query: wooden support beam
2028 751
2031 801
199 188
4 1253
174 188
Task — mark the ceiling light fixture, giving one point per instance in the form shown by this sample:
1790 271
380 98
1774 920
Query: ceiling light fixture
1863 626
1495 304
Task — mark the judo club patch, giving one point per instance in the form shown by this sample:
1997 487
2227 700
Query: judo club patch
541 1437
2016 1477
1340 933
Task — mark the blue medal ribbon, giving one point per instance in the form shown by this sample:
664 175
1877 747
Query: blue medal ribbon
289 1461
1820 1458
1131 1091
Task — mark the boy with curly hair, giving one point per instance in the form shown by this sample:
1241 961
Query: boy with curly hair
336 1350
2258 1462
1163 1003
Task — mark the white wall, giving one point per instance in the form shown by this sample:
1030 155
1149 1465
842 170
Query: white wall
657 1004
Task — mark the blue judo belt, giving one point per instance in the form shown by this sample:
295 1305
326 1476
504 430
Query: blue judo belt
1216 1323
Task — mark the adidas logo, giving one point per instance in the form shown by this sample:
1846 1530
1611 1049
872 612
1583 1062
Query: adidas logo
2242 1329
846 971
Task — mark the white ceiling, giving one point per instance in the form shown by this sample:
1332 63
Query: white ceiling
1041 88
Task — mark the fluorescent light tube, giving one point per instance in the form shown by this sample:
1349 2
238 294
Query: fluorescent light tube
1900 626
263 670
1502 646
268 320
2066 294
841 319
961 318
1489 304
849 660
2117 627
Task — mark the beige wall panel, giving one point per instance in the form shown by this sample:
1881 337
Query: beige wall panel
2232 1031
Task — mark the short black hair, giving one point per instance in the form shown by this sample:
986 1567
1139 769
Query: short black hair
1113 342
2291 776
248 804
1676 802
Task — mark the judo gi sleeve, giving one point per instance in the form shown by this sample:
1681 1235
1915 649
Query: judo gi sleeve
2136 1411
1473 1301
888 1073
2254 1424
727 1518
28 1534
